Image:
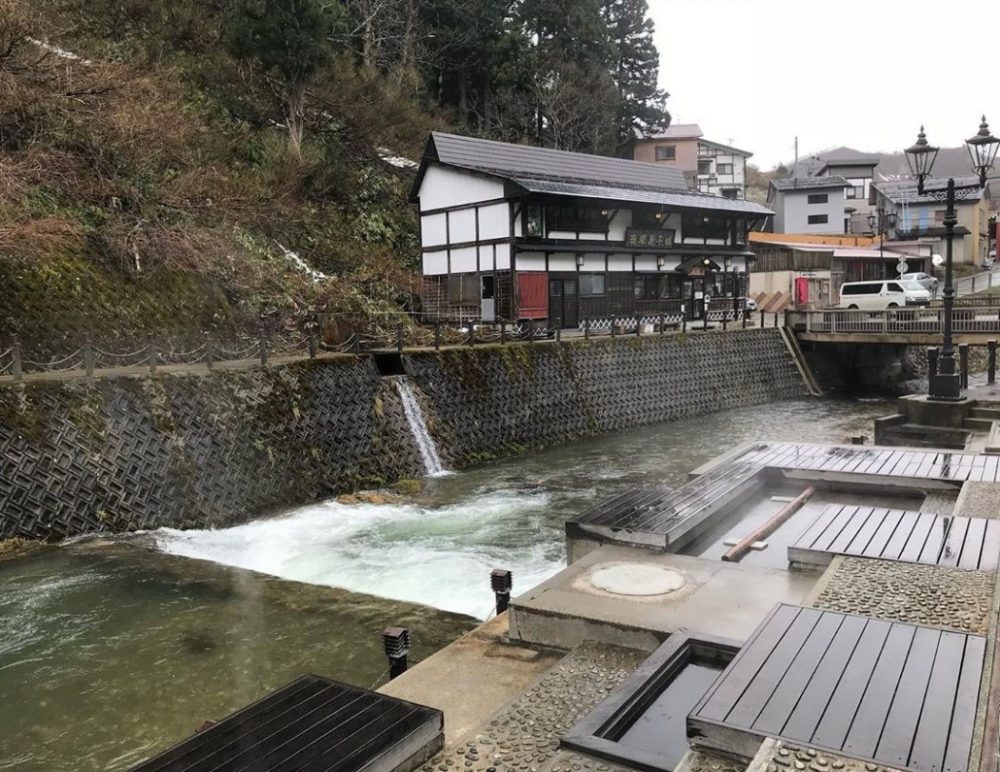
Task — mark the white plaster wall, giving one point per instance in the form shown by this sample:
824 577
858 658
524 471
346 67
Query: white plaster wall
462 225
494 221
593 263
618 224
529 261
619 262
503 257
486 258
435 263
464 260
433 230
562 262
443 187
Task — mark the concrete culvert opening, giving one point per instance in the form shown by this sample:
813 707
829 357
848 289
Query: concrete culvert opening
389 363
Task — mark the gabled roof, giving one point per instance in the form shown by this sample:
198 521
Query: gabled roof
677 131
803 184
721 146
858 159
905 191
508 161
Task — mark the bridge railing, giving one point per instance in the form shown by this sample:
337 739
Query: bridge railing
980 319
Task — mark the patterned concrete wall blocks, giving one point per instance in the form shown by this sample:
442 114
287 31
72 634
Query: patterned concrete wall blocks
509 398
220 447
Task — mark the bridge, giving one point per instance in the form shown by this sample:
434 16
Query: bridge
973 324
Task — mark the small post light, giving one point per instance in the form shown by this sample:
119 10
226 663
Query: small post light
396 643
660 262
501 581
983 151
579 260
920 158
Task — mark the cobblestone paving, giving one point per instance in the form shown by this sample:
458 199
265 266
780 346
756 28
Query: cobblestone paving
979 499
524 736
952 598
793 758
940 503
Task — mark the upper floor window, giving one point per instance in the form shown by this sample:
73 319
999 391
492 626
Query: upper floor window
819 198
724 168
572 218
730 192
666 152
704 167
855 191
704 226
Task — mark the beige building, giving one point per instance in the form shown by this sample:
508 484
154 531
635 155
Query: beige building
709 167
921 216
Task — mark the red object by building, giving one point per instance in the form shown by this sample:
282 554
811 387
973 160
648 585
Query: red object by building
801 291
532 295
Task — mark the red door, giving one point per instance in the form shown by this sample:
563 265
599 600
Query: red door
532 295
801 291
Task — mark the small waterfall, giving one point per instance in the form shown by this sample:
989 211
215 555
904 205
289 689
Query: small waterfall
418 428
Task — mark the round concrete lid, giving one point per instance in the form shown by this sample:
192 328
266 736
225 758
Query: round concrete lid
636 579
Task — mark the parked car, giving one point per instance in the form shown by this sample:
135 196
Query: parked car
925 280
751 304
879 295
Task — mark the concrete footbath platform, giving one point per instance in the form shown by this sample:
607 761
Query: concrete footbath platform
618 595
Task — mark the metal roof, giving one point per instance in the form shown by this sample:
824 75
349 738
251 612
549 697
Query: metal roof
809 183
678 199
905 191
505 160
677 131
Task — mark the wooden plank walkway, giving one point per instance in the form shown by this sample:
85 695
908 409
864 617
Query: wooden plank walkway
312 723
661 518
895 534
896 694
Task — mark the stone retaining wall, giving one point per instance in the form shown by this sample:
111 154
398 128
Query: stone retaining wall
221 447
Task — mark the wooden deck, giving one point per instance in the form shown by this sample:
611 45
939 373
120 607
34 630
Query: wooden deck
895 534
896 694
312 723
664 519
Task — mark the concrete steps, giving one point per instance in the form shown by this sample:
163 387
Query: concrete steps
991 413
977 424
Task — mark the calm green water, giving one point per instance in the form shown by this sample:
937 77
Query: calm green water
110 651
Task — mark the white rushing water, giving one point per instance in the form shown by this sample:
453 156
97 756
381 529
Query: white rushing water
440 556
418 428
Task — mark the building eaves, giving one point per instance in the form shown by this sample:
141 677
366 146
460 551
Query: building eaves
721 146
809 183
508 161
677 131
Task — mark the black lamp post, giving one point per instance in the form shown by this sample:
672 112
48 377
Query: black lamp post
882 222
946 384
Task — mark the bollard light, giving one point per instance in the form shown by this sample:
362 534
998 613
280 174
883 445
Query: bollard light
501 582
396 644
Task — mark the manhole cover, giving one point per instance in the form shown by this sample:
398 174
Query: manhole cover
637 579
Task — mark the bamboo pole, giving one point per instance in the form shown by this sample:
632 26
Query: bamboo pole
769 527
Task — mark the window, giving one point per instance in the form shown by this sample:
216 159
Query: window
819 198
704 226
872 288
575 219
730 192
704 167
535 225
591 284
724 168
894 287
818 219
855 191
666 152
464 288
657 286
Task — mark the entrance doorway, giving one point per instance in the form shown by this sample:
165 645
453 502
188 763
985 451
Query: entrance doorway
563 301
487 308
694 296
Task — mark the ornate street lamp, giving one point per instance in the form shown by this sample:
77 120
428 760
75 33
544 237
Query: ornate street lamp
920 157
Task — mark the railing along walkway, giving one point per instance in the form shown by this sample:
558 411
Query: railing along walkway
978 320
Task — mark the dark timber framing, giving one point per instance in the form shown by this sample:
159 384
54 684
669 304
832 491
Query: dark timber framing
896 694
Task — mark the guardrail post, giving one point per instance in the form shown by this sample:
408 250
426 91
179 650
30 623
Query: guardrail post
531 331
209 352
991 362
725 320
785 321
613 327
638 325
762 318
586 329
88 355
776 320
963 358
437 334
313 345
503 331
399 337
684 320
471 338
15 358
973 283
357 342
704 313
932 361
662 324
558 329
151 357
262 349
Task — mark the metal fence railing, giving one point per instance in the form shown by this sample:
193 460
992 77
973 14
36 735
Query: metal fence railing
980 319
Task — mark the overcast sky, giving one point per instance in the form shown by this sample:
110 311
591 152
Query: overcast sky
861 73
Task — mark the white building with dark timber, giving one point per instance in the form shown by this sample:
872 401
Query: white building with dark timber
515 232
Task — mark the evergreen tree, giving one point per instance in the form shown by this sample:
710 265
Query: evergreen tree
289 42
641 103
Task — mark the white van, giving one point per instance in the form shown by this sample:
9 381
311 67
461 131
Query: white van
879 295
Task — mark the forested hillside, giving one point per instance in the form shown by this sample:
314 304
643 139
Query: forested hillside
177 167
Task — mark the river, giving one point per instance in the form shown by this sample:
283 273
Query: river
111 650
